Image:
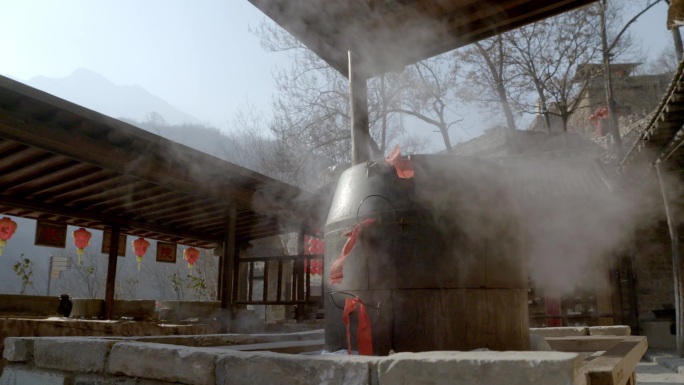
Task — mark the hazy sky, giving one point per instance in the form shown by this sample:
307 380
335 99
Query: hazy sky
197 55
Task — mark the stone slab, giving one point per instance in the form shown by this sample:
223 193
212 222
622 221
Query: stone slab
650 373
187 365
33 305
289 347
561 331
298 336
87 308
539 343
208 340
18 349
17 374
138 309
94 379
659 334
242 368
481 368
584 343
72 354
617 330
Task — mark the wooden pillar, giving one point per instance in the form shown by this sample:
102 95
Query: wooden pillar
229 258
298 276
219 279
676 265
110 287
358 99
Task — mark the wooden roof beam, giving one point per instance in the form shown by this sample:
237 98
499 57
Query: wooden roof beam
124 223
53 138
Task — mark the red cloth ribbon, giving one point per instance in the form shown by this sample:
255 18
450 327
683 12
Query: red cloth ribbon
598 115
336 270
403 166
364 339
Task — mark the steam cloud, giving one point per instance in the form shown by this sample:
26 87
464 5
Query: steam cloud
569 218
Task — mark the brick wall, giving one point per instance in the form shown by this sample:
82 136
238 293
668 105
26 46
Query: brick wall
652 260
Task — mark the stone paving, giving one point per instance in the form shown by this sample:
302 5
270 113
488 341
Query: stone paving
660 367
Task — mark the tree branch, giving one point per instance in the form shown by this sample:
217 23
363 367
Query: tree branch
630 22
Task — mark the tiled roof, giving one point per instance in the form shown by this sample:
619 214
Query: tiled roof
498 142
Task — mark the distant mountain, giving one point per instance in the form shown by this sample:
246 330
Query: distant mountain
91 90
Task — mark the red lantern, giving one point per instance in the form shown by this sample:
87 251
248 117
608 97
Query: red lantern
191 255
81 239
315 267
7 228
314 245
140 246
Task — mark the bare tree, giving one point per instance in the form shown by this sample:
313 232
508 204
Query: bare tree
430 94
127 288
312 104
86 280
544 57
609 45
487 75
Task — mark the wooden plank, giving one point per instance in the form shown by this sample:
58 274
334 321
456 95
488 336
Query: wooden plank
616 366
583 343
291 347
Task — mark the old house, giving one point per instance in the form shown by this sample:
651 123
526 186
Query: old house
635 95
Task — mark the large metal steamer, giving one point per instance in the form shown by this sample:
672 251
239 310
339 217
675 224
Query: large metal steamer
441 269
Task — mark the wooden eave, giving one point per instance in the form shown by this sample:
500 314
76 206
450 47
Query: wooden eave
387 35
663 135
63 163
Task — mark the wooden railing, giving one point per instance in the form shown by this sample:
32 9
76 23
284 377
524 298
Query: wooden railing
283 280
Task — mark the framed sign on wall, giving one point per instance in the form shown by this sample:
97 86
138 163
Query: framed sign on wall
50 234
166 252
107 235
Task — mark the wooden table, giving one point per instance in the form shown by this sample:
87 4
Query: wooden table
614 358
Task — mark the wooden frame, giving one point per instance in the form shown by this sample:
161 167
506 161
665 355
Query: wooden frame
50 234
615 366
106 236
166 252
